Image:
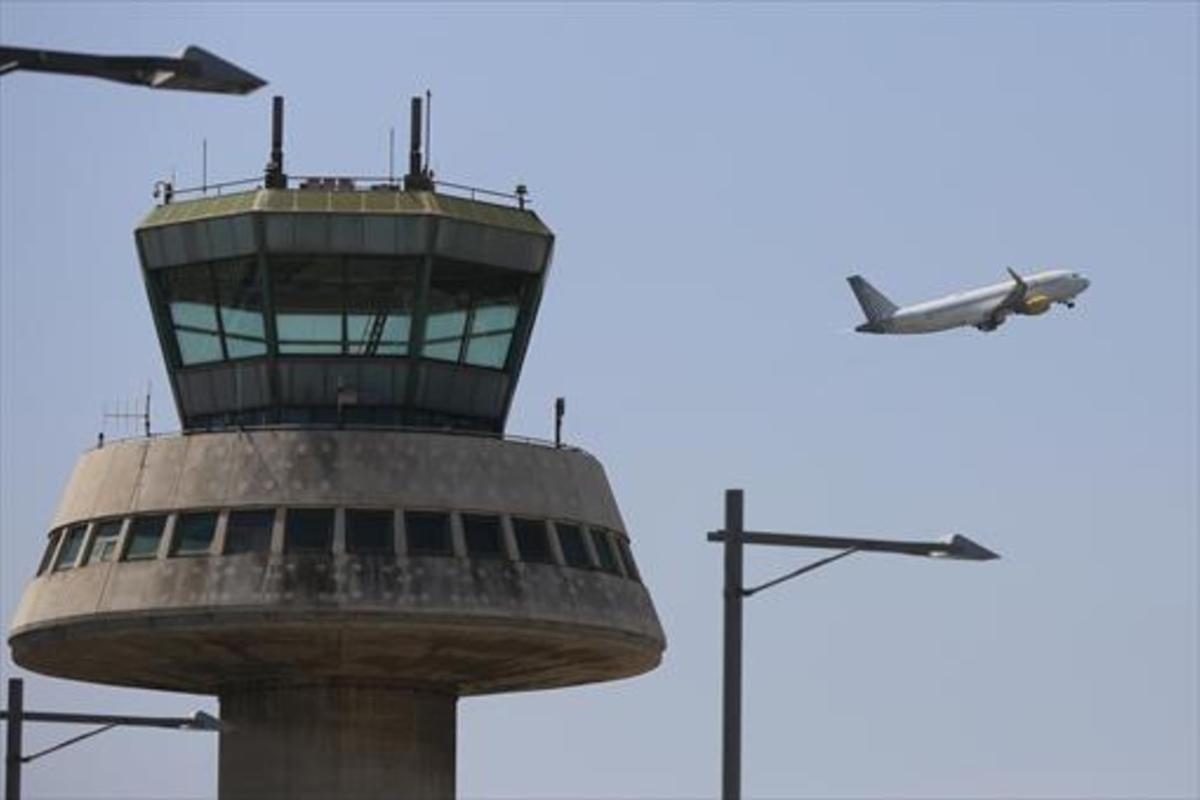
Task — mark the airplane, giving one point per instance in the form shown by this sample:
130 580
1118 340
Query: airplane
985 308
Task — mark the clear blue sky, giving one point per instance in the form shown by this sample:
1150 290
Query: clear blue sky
713 172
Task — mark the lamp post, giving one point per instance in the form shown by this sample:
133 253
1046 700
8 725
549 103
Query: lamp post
735 538
194 69
16 716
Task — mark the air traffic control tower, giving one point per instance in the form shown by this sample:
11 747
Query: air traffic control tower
342 542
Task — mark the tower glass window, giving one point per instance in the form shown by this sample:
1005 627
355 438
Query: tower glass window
308 530
631 570
604 553
249 531
69 552
144 535
369 532
335 306
472 313
428 533
194 533
215 310
532 544
48 553
570 539
104 542
482 535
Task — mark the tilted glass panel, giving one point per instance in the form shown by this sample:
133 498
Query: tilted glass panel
472 313
144 535
48 553
194 533
249 531
190 297
369 531
532 544
308 530
488 351
380 295
570 538
604 553
308 298
104 543
482 535
428 533
69 552
239 290
626 555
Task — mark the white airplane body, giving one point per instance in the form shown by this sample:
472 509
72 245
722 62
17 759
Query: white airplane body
985 308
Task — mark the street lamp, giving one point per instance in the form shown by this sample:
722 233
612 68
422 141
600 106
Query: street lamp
16 716
734 537
194 70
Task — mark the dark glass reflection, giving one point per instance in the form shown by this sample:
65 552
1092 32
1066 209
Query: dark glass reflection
532 544
308 530
626 555
570 539
69 552
482 535
604 553
369 531
428 533
48 553
249 531
144 535
194 533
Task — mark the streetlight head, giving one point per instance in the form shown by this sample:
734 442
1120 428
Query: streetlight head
207 73
964 549
203 721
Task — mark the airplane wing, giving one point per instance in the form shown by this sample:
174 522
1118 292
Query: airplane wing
1011 301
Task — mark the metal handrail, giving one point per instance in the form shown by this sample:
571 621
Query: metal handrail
168 192
280 426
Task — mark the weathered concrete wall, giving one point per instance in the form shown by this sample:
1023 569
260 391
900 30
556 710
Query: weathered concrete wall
462 625
336 741
338 467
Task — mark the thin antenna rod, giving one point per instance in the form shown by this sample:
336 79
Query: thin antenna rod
428 122
392 154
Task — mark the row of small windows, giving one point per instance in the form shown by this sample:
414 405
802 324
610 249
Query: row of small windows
342 306
364 532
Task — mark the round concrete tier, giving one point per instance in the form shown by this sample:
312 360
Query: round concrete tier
452 624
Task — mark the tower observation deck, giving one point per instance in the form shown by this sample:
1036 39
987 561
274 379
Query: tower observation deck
342 542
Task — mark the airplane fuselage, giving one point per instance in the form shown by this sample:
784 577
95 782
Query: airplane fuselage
981 307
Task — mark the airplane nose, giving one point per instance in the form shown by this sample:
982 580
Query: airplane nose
1083 283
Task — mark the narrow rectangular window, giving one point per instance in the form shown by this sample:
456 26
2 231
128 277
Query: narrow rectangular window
104 543
369 532
308 530
631 570
604 553
69 552
570 538
194 533
51 543
249 531
482 534
144 535
428 533
532 544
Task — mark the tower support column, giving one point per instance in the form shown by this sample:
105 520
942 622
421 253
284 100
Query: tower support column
336 739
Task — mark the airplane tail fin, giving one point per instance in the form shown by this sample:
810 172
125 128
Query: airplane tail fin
874 304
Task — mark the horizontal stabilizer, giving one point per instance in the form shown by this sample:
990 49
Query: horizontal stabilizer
874 304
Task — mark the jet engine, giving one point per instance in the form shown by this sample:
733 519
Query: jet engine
1034 305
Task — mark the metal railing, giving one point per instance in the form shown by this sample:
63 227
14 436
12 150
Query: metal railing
166 192
532 441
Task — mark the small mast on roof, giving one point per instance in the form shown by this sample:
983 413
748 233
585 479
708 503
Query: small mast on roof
419 178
